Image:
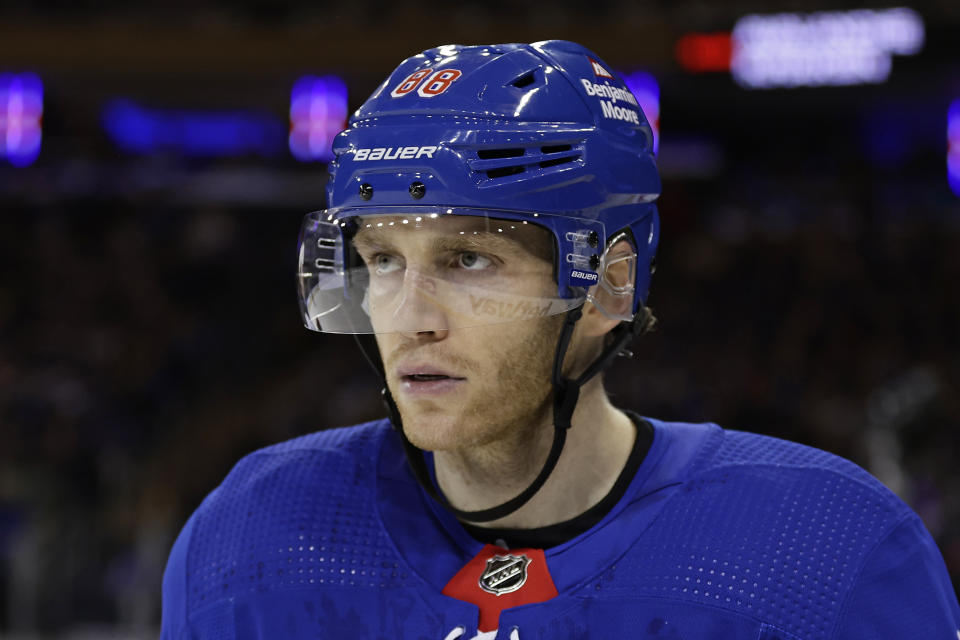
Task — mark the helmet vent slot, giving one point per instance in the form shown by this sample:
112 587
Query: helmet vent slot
496 154
556 161
519 162
503 172
525 80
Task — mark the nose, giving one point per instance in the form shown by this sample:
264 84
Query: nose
420 313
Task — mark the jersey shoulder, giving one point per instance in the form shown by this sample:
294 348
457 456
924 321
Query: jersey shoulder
743 449
793 464
327 457
301 500
747 470
766 528
705 452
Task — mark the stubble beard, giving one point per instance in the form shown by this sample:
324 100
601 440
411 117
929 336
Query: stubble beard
505 405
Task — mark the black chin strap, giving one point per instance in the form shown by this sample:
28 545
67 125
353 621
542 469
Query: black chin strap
566 393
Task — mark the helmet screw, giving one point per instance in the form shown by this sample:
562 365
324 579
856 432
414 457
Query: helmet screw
417 190
594 261
366 190
593 239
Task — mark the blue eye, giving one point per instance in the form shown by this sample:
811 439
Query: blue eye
473 261
386 263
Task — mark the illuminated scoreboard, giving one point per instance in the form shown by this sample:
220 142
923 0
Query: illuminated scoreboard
788 50
822 49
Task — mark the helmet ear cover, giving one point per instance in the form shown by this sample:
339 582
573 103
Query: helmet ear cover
613 295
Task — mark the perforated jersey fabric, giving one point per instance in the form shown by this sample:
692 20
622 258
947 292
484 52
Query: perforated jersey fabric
722 534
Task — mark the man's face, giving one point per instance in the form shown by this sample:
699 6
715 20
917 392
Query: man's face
460 307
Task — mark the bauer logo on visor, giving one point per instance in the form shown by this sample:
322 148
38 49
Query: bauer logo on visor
422 270
583 275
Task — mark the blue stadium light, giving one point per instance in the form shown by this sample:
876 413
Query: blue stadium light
21 118
318 112
953 146
140 130
646 89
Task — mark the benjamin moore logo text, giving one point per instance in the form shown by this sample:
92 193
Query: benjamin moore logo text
612 95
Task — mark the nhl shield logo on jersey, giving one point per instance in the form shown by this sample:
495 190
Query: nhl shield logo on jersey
504 574
496 579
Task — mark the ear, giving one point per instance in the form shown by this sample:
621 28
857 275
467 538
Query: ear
611 300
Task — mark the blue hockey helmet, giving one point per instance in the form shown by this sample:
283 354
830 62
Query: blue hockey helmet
545 135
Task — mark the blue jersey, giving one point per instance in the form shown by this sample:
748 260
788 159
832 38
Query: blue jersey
721 534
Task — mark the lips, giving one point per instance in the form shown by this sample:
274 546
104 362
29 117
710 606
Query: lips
427 379
424 372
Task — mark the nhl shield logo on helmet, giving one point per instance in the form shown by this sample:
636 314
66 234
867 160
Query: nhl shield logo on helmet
598 69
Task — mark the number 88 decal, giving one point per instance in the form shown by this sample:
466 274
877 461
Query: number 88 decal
436 84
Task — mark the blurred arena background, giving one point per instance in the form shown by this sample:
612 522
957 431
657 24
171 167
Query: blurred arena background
155 164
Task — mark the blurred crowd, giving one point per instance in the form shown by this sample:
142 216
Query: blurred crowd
146 345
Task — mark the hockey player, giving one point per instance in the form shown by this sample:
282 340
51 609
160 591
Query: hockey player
491 230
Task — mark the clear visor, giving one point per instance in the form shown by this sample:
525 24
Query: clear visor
426 269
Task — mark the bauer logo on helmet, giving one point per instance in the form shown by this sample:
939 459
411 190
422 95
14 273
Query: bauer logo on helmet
394 153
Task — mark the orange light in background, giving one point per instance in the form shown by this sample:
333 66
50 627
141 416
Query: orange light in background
704 52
